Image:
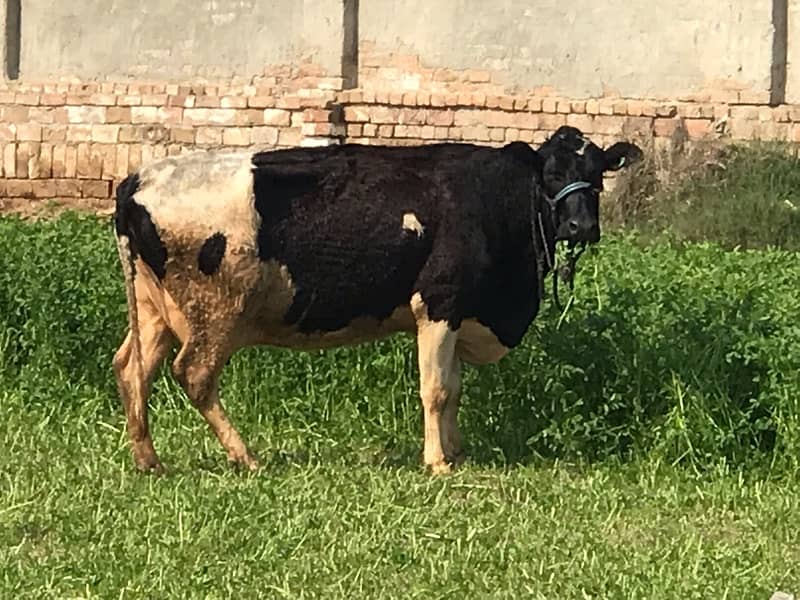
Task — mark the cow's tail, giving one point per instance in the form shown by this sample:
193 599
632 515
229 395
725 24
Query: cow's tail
126 236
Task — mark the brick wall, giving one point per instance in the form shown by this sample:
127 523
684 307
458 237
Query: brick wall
71 141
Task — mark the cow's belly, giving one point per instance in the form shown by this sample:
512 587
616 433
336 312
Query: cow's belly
264 317
477 344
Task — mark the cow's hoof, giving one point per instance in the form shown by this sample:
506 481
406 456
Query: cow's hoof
152 467
458 459
441 468
246 462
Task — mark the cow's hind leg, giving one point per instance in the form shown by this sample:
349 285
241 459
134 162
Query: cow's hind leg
438 376
155 340
197 367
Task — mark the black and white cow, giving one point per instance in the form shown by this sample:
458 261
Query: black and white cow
319 247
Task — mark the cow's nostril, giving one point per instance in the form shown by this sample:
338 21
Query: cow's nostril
573 227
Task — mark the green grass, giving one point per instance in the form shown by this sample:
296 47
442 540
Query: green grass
644 445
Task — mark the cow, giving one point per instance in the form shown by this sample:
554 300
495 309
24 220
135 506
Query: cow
311 248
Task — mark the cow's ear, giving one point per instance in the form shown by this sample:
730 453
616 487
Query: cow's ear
622 154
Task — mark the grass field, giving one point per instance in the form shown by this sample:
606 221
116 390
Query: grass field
643 445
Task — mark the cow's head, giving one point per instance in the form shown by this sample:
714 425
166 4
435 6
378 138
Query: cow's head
573 179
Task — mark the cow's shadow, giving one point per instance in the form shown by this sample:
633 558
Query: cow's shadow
611 381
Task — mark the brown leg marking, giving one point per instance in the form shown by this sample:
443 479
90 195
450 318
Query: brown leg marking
197 370
436 344
155 342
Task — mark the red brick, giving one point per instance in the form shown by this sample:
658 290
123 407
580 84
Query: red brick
261 101
121 161
698 128
15 114
288 102
468 116
524 120
355 130
441 118
86 114
497 134
498 118
665 127
10 160
209 116
19 188
606 106
102 99
534 104
236 136
277 117
71 161
94 188
744 113
233 102
551 122
26 99
479 76
8 133
181 135
46 161
385 131
475 132
24 152
316 115
620 107
59 159
642 126
106 134
583 122
441 133
754 97
267 136
209 135
492 101
43 188
383 114
53 100
578 107
207 102
666 110
356 114
289 137
506 103
409 116
134 157
67 188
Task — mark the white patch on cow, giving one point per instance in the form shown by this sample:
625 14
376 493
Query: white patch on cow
200 193
582 149
411 223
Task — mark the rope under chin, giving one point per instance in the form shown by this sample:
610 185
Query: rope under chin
565 271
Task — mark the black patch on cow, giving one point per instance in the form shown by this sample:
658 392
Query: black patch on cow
211 253
334 217
133 220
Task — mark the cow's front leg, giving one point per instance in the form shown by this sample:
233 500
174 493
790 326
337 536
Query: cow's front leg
451 436
439 384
